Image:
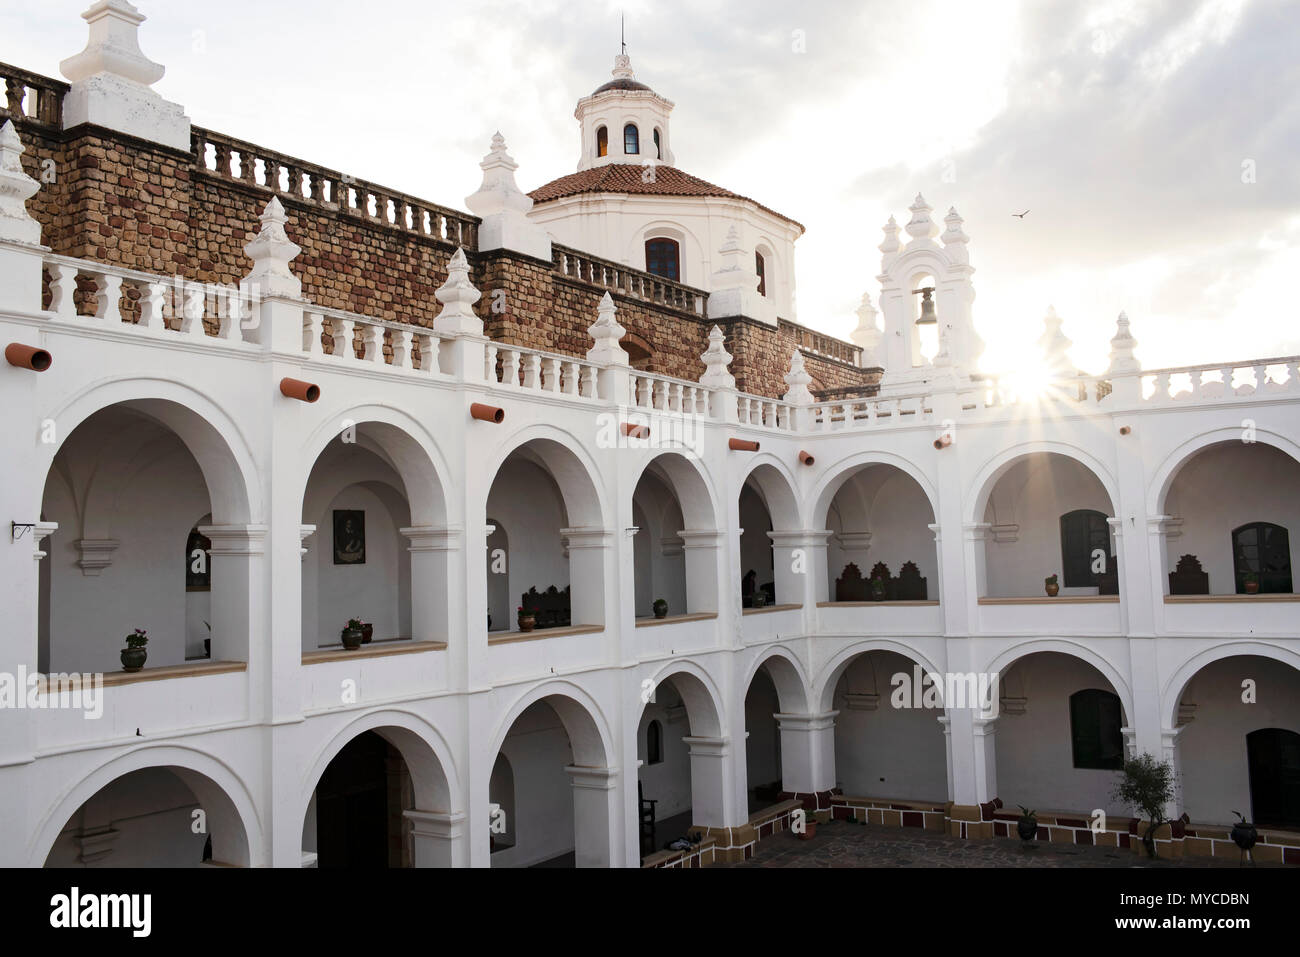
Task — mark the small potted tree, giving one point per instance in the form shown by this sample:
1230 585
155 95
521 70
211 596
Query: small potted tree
527 620
1250 581
1027 826
660 608
1147 785
1244 835
134 654
352 634
877 589
1052 584
809 825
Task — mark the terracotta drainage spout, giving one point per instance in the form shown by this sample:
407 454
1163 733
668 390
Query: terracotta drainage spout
943 441
742 445
27 357
636 431
297 389
805 458
487 413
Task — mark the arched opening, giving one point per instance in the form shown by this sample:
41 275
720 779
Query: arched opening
501 795
355 817
881 547
760 267
773 556
126 487
659 146
1046 514
561 786
683 793
553 562
198 592
631 140
758 580
924 328
675 556
1059 742
1232 508
164 816
500 609
889 742
663 258
1239 742
762 741
602 141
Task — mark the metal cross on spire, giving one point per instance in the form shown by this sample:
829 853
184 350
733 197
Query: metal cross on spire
622 37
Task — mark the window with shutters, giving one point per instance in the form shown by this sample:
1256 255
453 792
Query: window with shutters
1096 718
1262 549
1083 532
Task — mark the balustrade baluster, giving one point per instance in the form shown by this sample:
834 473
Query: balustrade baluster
344 336
152 304
1226 372
570 378
510 368
1261 376
372 343
551 375
589 382
490 363
312 325
108 297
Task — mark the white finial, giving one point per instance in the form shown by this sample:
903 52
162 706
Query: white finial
797 380
607 332
271 251
921 226
1055 344
622 67
1122 344
716 359
504 207
16 188
867 335
890 245
954 234
458 296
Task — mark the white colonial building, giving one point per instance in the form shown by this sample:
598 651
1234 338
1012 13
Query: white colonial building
189 460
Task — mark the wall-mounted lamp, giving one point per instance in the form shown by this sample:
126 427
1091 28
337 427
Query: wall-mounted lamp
27 357
487 413
297 389
742 445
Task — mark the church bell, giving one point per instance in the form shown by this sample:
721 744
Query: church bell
927 316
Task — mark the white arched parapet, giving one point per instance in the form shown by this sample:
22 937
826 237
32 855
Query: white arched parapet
788 677
1075 649
584 720
825 680
233 820
700 694
1172 690
987 477
1162 479
428 757
837 473
778 488
565 456
406 444
219 446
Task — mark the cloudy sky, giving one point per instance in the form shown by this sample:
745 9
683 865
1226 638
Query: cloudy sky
1156 143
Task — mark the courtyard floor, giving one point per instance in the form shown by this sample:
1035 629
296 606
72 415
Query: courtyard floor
870 845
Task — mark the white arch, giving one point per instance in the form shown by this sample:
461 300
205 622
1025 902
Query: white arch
700 694
789 679
583 718
773 478
1172 689
1075 649
234 823
836 474
689 483
428 757
1162 479
829 676
574 471
987 477
218 445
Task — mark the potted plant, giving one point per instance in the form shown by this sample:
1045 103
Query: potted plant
352 634
367 632
527 620
1244 834
877 589
1052 584
660 608
1027 826
134 654
1250 581
809 826
760 599
1148 785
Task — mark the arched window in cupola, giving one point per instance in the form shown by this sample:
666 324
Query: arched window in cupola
631 140
760 267
662 258
602 141
659 145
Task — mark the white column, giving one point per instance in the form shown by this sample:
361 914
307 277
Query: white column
238 575
589 552
438 838
710 771
807 751
799 562
432 556
703 552
596 830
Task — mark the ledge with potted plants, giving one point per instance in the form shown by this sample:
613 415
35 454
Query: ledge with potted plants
528 630
135 654
661 617
357 641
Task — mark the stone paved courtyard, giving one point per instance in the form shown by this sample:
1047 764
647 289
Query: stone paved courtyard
869 845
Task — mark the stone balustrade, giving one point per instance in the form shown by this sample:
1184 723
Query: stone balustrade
31 97
633 283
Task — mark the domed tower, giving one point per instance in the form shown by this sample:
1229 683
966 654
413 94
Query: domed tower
629 203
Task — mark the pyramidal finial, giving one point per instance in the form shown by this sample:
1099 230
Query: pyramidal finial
954 234
1122 345
890 245
1055 343
921 226
867 335
458 296
271 251
797 380
606 332
716 359
16 188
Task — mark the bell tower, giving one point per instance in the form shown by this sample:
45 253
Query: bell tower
624 121
926 284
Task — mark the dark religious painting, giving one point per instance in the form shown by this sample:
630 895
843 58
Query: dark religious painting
349 537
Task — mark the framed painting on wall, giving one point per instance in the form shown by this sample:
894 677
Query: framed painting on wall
349 537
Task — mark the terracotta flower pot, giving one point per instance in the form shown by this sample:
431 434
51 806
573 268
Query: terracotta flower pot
527 622
133 659
1252 588
661 609
1052 590
352 638
809 828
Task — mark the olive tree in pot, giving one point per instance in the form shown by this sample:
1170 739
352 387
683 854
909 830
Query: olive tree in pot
134 654
1147 785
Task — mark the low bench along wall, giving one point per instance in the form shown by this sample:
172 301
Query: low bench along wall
890 812
697 855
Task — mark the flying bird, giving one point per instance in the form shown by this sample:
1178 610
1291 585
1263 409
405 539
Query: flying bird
1021 215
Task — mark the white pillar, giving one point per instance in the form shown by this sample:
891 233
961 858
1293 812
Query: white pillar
589 551
433 554
238 575
438 838
807 752
596 830
703 552
710 771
